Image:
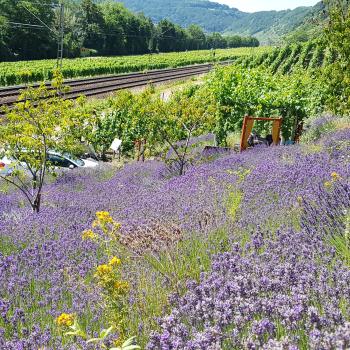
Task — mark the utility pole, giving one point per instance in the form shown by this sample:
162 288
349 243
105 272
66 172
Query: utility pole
59 33
60 37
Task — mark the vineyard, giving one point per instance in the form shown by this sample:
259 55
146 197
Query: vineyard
13 73
285 60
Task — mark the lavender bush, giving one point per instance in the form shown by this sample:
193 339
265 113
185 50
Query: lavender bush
281 285
286 288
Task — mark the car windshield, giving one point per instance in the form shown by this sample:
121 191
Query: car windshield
76 160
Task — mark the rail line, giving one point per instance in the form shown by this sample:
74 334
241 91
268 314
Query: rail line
108 84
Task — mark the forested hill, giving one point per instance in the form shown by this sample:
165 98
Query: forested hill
211 16
95 27
267 26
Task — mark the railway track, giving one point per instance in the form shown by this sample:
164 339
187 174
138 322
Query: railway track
108 84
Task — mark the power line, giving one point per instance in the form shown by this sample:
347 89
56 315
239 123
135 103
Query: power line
17 24
52 4
38 18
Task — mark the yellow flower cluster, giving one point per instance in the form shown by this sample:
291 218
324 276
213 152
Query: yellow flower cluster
105 222
65 320
108 277
114 261
328 184
88 234
103 270
102 218
335 176
121 287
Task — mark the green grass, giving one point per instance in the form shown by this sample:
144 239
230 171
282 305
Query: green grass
341 241
7 247
164 273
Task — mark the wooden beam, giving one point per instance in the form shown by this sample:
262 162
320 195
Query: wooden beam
265 118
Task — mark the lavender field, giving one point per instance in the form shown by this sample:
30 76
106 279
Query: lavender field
246 251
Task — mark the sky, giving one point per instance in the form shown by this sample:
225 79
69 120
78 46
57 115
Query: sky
265 5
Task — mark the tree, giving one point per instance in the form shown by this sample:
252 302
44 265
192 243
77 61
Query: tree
216 41
234 41
44 122
4 50
26 42
168 36
186 117
115 17
197 38
337 74
92 25
73 36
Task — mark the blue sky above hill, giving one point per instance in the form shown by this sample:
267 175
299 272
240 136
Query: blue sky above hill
258 5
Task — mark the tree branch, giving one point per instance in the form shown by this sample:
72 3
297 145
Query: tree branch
17 186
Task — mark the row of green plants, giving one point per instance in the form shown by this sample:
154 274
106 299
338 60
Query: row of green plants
310 55
32 71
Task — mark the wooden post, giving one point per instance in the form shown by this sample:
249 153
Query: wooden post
248 124
276 130
137 144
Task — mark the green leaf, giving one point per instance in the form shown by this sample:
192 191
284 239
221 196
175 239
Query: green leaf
93 340
129 341
72 333
105 332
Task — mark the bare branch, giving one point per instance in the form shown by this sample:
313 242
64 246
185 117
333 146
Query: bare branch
17 186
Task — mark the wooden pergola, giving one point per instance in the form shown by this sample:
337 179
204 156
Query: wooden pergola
248 125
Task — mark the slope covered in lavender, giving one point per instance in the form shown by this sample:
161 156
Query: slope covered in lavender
277 278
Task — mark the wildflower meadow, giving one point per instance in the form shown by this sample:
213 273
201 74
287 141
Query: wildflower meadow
246 250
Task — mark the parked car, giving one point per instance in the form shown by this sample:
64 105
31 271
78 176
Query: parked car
56 159
67 160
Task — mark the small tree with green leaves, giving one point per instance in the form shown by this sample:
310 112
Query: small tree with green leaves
41 121
186 117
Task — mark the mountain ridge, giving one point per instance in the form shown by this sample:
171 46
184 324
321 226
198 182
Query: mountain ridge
268 26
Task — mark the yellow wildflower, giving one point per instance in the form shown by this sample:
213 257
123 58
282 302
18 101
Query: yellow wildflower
121 286
335 176
117 225
65 320
88 234
114 261
104 217
103 270
328 184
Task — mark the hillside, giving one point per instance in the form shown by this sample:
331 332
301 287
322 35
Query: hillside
267 26
211 16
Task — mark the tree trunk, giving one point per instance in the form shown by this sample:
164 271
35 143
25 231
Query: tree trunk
36 204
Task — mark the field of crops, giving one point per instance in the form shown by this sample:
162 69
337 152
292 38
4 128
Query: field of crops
12 73
286 59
